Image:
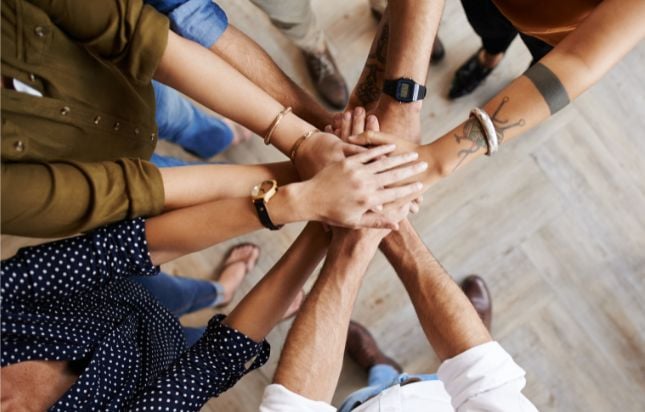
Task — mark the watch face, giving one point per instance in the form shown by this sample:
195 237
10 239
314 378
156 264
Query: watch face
261 189
404 90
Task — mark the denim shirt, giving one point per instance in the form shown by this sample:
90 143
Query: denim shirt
201 21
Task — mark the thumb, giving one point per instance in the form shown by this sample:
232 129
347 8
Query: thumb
352 149
372 138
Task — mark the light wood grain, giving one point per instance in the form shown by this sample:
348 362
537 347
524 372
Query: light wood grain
555 223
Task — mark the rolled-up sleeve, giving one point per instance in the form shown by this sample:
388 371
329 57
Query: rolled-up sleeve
63 198
485 378
201 21
129 33
220 358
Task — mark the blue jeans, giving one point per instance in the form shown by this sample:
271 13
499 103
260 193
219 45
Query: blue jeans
182 295
180 122
380 378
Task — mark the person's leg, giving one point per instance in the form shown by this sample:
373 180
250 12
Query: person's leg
192 335
537 47
181 295
382 370
180 122
296 20
496 34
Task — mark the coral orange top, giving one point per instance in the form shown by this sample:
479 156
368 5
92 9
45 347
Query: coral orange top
548 20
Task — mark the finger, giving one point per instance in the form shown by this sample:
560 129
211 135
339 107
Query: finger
346 126
372 138
378 221
414 208
409 191
419 200
352 149
400 174
337 120
372 124
328 129
397 211
373 153
377 208
390 162
358 121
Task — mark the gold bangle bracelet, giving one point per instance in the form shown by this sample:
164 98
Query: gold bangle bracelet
274 124
296 145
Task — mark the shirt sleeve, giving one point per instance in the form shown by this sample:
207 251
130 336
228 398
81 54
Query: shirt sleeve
65 198
485 378
211 366
126 32
68 267
201 21
278 398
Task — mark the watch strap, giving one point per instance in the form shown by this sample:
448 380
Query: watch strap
263 214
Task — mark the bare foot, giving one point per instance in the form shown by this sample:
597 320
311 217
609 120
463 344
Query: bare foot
295 305
239 261
240 133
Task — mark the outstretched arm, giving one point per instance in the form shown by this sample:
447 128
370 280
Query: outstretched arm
575 64
247 57
313 354
401 48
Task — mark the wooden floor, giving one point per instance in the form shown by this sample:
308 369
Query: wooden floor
558 233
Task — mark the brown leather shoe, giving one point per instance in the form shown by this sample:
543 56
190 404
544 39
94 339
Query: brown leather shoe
327 78
477 292
362 347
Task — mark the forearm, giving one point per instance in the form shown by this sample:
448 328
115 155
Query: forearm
312 358
449 321
191 185
575 64
246 56
214 83
190 229
266 304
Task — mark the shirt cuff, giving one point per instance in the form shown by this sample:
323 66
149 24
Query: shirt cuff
201 21
478 370
277 398
231 351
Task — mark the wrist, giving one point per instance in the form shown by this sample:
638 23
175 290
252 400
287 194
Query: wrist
287 205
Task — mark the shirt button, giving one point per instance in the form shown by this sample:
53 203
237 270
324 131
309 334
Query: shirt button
65 110
97 119
116 126
32 77
19 146
40 31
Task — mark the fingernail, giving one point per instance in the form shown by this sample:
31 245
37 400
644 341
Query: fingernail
412 156
422 166
390 147
419 186
347 115
358 110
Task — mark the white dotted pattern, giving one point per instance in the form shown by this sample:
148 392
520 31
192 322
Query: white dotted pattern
70 300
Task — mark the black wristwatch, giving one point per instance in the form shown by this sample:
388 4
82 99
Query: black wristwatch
404 90
261 194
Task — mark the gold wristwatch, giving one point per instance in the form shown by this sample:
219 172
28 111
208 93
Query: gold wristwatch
260 195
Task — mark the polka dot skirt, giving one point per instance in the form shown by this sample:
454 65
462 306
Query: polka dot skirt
70 300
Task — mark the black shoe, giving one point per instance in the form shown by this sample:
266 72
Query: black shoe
438 51
470 75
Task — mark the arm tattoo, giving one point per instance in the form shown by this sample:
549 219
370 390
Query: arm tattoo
472 131
368 90
549 86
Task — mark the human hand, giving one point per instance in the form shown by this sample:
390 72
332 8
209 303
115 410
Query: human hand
320 150
345 193
393 117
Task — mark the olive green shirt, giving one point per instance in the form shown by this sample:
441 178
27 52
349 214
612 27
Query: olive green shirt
75 158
